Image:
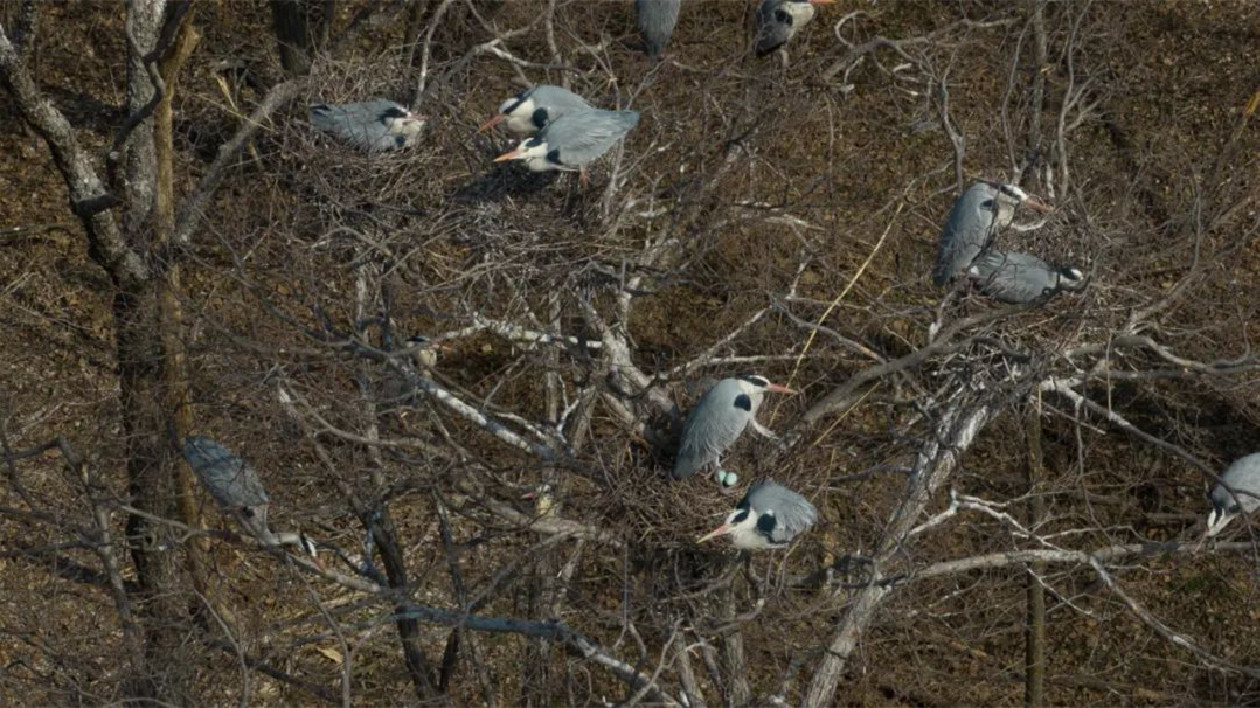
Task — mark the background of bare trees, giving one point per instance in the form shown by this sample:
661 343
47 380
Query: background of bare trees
1012 505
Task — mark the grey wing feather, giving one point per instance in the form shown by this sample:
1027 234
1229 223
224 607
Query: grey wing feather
558 100
793 513
1017 278
713 425
1243 477
232 481
357 123
581 138
656 20
967 233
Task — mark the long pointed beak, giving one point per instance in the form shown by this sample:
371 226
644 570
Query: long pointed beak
492 122
719 531
1039 205
508 156
821 2
776 388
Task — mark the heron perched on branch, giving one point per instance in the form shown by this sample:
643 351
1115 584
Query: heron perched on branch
234 484
717 421
769 516
373 126
533 109
974 222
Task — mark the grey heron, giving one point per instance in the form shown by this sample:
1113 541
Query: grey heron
1021 278
656 20
779 20
373 126
975 220
769 516
573 141
1238 492
424 352
533 109
235 486
717 421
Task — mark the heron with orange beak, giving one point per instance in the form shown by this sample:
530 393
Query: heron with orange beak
573 141
769 516
533 109
717 421
978 216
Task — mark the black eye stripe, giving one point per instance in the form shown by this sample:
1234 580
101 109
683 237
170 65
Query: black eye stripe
766 523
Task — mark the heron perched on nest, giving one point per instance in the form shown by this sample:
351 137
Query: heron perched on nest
974 222
372 126
573 141
1021 278
717 421
769 516
533 109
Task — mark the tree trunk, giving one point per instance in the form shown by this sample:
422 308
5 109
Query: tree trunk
291 23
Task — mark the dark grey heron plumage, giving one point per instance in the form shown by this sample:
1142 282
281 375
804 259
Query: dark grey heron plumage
974 221
1238 492
779 20
574 140
656 20
235 486
1022 278
535 108
769 516
373 126
717 421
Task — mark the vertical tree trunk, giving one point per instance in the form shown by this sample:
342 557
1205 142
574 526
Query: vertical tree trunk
291 23
1035 644
141 331
175 369
143 23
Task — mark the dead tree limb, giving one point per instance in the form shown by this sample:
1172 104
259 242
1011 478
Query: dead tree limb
957 426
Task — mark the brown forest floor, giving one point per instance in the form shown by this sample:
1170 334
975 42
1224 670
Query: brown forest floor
1172 77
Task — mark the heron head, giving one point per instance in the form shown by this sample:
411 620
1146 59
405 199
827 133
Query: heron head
1014 196
755 383
520 104
402 123
1071 278
1217 519
308 545
746 526
534 152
